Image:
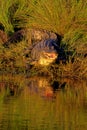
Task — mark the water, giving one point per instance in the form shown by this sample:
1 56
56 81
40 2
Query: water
40 104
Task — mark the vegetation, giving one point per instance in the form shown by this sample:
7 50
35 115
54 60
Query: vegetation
67 18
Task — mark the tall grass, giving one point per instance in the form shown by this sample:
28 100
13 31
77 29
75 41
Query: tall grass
7 12
4 15
60 16
65 17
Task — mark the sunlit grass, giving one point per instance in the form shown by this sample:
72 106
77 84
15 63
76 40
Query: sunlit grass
59 16
5 15
12 58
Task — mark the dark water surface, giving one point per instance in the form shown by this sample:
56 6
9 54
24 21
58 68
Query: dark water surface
40 104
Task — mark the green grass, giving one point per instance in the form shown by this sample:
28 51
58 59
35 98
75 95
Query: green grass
4 15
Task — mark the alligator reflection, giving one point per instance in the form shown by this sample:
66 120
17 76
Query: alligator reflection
58 85
41 103
45 87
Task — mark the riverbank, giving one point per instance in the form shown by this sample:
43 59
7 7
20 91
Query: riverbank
67 19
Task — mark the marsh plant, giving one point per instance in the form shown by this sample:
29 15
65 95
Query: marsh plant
68 18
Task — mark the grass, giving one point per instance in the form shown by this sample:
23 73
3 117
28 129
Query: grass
68 18
12 59
4 15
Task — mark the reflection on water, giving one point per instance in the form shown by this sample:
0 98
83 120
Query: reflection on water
38 103
44 88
